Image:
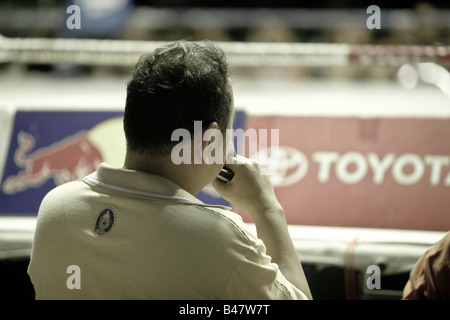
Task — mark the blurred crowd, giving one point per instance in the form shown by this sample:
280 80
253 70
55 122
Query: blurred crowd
421 23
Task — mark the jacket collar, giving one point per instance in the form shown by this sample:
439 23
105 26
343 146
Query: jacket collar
141 184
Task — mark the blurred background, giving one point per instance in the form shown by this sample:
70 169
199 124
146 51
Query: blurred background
368 89
419 23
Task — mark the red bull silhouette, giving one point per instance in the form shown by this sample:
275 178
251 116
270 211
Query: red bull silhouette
63 161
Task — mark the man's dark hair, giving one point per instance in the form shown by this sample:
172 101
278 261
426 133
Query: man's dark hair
171 88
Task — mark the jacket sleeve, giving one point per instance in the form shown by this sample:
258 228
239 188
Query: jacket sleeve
429 278
255 277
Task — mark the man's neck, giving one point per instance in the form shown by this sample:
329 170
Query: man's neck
186 176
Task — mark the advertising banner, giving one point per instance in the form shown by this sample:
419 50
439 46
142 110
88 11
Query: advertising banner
328 171
361 172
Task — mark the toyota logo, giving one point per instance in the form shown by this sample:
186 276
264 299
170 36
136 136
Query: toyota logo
284 165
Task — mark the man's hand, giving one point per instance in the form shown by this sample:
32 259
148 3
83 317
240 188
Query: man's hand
254 193
248 190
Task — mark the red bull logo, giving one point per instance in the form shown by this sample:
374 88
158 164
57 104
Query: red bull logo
63 161
49 148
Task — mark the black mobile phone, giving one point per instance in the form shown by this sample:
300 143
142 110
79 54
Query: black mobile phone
225 175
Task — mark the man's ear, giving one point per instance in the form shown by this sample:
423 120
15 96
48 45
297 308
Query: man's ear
213 144
208 133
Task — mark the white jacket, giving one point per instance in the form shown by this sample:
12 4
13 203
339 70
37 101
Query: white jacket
123 234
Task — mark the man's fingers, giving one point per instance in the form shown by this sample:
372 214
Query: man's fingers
239 160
